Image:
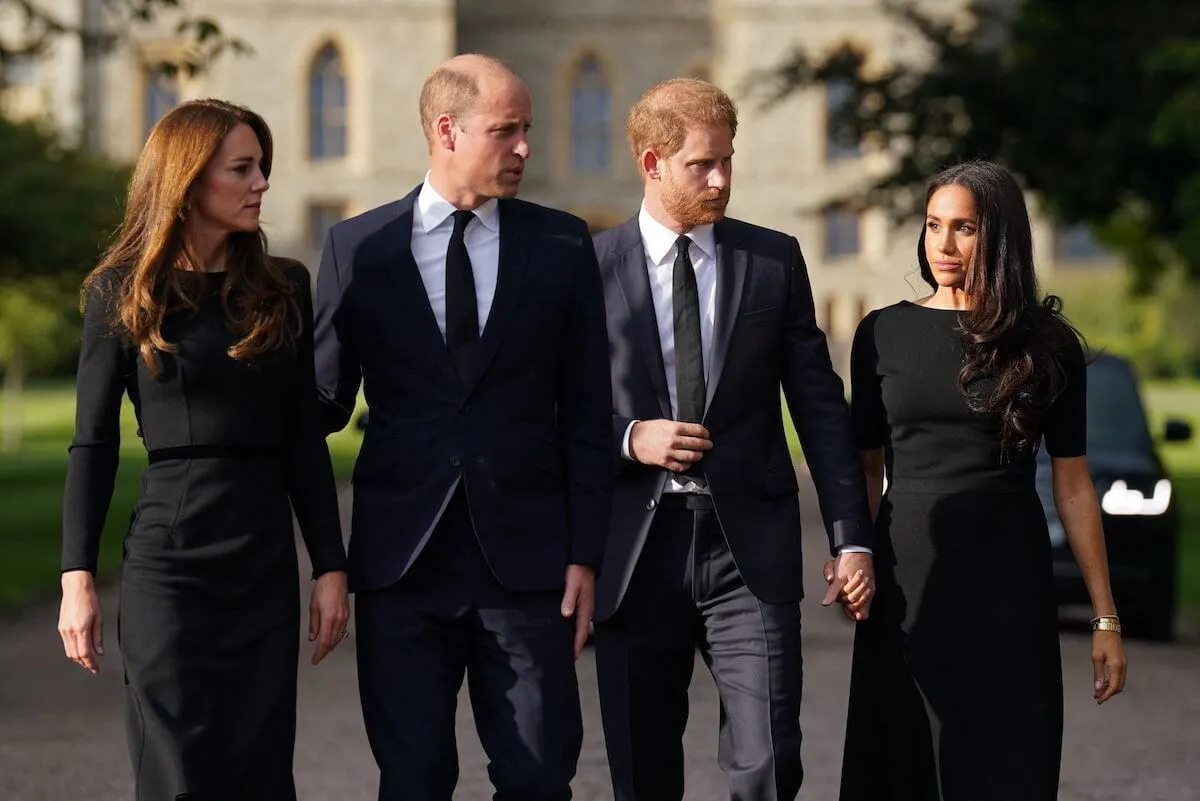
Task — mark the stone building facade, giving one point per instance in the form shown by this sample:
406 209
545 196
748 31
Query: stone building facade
338 81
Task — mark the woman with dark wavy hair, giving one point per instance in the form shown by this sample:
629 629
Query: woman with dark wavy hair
211 339
956 689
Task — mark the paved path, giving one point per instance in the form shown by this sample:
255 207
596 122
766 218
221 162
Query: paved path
61 732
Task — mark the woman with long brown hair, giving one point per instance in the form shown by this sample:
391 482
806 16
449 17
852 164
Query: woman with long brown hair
956 687
211 339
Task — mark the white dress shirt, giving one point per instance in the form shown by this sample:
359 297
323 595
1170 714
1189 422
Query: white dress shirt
658 241
433 222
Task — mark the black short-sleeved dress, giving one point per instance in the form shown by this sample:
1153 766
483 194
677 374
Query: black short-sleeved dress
956 688
209 599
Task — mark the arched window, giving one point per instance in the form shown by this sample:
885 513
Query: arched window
161 94
591 120
327 105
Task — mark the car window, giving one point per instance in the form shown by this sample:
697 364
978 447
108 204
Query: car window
1116 419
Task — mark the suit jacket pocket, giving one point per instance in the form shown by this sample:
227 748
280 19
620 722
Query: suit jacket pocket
780 482
762 318
750 314
535 465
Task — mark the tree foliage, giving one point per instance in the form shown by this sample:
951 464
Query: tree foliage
1092 103
107 24
58 206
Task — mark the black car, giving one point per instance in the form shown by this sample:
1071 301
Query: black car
1139 512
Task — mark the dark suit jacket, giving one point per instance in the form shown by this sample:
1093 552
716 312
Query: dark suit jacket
528 434
765 336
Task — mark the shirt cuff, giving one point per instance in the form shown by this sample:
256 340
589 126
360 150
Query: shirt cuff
625 440
853 549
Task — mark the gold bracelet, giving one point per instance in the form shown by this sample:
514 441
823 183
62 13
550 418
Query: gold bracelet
1107 623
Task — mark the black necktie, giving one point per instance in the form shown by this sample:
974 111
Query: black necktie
689 353
462 315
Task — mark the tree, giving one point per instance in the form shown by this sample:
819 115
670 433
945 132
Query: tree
33 331
58 205
1092 103
105 24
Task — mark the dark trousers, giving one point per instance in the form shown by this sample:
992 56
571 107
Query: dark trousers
449 617
686 593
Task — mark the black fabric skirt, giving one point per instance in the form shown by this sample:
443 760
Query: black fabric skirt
209 632
956 686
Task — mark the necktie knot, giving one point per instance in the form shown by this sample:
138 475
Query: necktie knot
462 218
682 244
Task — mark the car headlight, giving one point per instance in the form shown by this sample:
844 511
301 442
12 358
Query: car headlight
1120 499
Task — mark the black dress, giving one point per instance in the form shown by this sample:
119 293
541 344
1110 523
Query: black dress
209 598
956 686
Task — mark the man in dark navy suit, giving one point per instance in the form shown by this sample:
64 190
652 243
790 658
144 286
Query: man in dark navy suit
475 324
708 319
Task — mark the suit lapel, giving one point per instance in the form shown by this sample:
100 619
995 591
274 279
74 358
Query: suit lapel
634 279
515 248
732 264
398 261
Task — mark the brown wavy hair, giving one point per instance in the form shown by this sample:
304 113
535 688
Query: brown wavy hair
150 243
1014 339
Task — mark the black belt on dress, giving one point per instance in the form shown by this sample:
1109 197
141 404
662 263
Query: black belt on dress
690 501
212 452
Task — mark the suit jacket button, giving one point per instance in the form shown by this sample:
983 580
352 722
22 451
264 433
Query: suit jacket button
652 503
455 461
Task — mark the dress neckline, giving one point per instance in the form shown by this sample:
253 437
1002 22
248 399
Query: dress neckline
932 308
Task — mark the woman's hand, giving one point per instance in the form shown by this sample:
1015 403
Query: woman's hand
328 613
80 623
850 584
1108 665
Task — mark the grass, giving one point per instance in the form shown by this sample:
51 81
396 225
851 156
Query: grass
1181 400
31 486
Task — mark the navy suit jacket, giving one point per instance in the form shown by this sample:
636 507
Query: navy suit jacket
527 434
765 337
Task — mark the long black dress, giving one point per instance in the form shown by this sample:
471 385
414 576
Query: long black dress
956 685
209 597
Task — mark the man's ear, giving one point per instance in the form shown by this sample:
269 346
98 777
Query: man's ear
650 164
444 133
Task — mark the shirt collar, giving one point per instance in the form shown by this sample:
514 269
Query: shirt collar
435 209
659 240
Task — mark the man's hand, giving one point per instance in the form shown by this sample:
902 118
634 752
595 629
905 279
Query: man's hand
668 443
851 579
579 601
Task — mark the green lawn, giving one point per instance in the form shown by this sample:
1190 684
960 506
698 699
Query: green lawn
1181 400
31 487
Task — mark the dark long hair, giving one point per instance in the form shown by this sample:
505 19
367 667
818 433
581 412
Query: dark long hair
1014 340
150 240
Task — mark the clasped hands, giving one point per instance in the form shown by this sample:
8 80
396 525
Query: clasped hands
851 580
